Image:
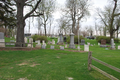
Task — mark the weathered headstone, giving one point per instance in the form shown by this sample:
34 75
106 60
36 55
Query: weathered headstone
30 40
43 47
12 41
25 39
53 42
1 35
61 47
49 42
88 43
15 36
66 46
60 39
82 42
103 43
38 45
118 47
43 42
98 44
2 40
72 45
112 44
51 47
78 48
86 47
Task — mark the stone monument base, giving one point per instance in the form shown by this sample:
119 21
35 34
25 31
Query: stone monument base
103 46
60 43
72 46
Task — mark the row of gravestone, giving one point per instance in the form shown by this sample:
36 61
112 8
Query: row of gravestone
86 47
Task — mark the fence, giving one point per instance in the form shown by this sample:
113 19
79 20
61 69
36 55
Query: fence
90 58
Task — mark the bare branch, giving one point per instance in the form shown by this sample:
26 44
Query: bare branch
28 15
35 15
102 19
117 14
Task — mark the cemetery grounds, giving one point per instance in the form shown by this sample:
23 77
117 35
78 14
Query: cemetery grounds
47 64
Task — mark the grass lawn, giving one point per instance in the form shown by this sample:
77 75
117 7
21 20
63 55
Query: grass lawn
46 64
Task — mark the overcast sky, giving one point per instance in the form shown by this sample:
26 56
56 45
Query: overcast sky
90 20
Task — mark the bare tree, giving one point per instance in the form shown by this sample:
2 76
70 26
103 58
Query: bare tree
109 16
77 10
20 4
47 7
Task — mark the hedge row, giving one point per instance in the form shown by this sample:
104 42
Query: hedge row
99 38
38 37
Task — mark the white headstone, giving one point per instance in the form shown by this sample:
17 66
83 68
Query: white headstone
118 47
88 43
30 45
112 44
61 47
2 44
25 39
66 46
51 47
30 40
98 44
43 46
15 36
2 40
86 47
53 42
78 48
38 45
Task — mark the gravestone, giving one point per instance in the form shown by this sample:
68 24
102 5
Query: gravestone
82 42
78 48
12 41
30 40
112 44
15 36
60 39
103 43
88 43
49 42
66 46
38 45
51 47
72 45
43 42
2 40
61 47
25 39
53 42
86 47
98 44
119 47
43 47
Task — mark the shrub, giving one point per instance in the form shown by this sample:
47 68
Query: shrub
35 37
75 39
116 40
99 38
38 37
41 38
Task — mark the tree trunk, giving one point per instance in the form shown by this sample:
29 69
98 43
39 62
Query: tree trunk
117 33
45 29
20 24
